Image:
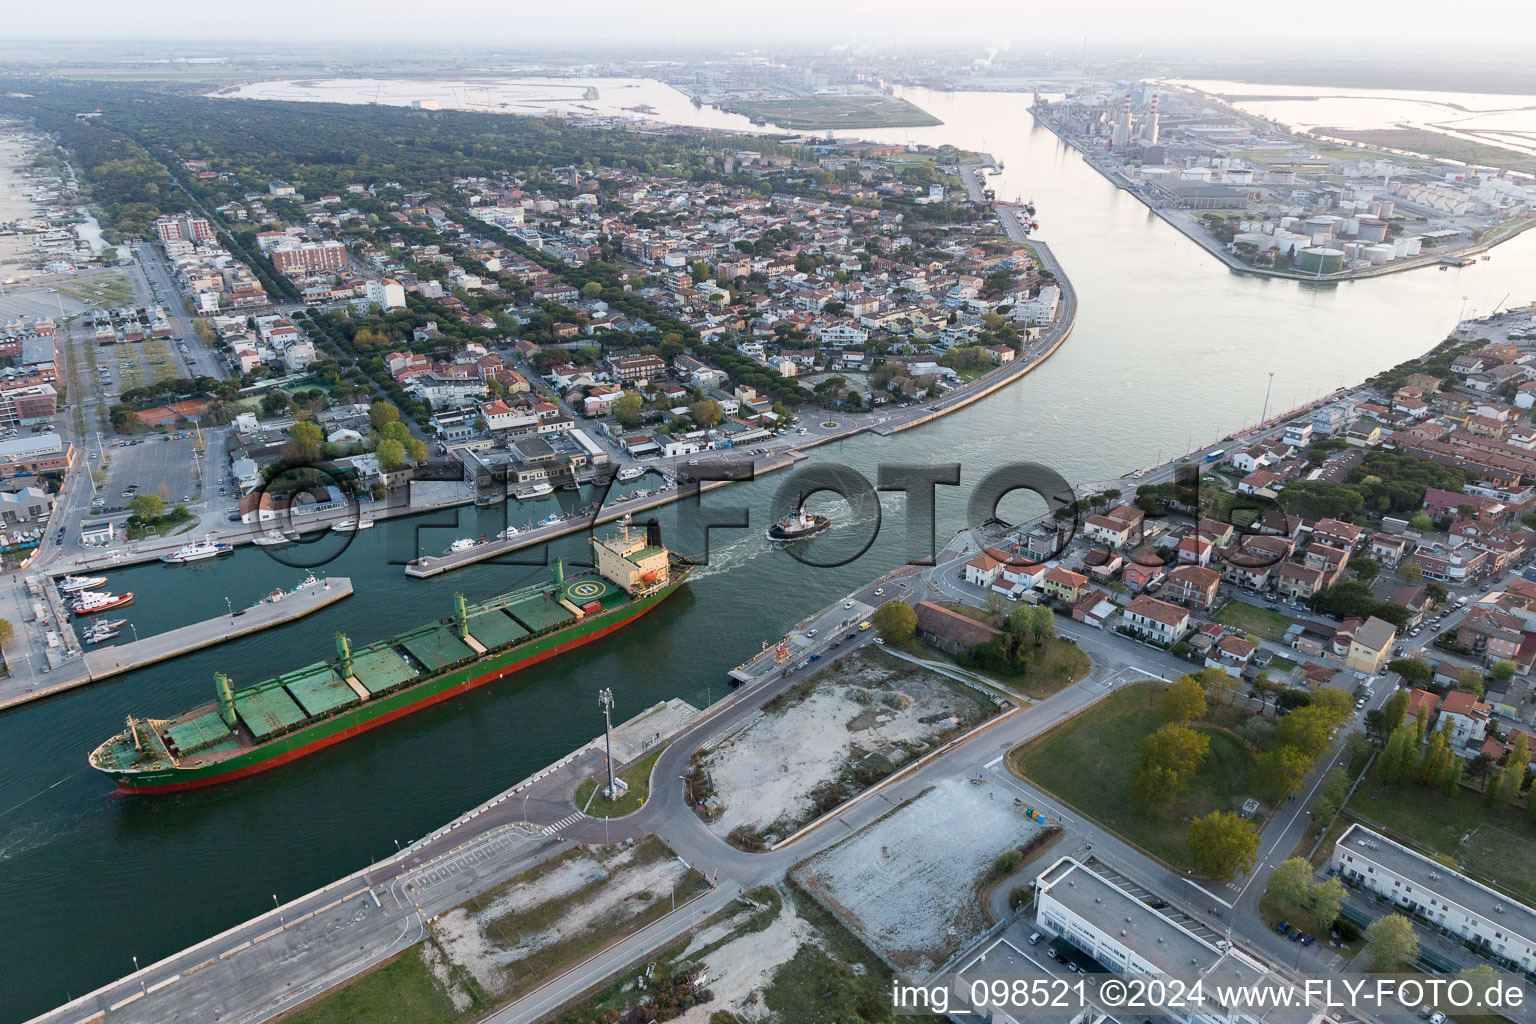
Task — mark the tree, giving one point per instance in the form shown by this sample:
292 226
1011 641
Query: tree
1283 770
707 413
146 507
416 449
1502 670
1221 844
1042 624
1366 569
1396 708
7 633
1512 777
303 447
1170 757
1323 903
1391 943
396 431
1184 701
1421 522
896 621
1394 757
1291 881
1413 672
626 409
1470 679
391 453
591 290
381 413
1308 729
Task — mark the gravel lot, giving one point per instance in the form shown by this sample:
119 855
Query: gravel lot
912 898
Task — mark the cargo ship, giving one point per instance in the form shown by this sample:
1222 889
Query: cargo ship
242 732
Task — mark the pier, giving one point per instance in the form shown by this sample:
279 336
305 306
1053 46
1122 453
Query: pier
106 662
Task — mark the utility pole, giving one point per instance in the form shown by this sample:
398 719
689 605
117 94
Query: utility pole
605 698
1267 389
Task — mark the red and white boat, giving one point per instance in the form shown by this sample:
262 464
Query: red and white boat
92 601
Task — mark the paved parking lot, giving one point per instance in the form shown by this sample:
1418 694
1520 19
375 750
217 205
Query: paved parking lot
150 463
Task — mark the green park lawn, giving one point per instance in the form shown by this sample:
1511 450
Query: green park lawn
1088 762
1251 619
1500 845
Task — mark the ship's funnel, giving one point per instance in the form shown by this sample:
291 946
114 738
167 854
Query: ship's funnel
652 533
344 655
226 698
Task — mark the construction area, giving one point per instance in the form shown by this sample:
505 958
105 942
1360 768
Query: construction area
505 942
826 740
917 901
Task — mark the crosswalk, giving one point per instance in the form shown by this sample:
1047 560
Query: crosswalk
566 822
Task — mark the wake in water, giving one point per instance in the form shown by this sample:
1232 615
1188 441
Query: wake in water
728 557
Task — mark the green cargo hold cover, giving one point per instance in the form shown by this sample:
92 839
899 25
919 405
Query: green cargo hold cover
438 648
539 613
380 668
495 629
267 711
318 689
199 733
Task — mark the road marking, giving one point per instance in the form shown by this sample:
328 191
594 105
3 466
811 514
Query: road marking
1212 895
566 822
157 986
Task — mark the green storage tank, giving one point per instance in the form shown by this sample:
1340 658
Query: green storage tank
1318 260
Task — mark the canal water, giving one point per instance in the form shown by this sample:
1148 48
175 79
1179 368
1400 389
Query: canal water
1170 349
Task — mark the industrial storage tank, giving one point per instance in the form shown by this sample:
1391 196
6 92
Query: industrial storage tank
1320 260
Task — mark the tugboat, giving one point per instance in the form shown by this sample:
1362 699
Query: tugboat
799 524
71 584
92 601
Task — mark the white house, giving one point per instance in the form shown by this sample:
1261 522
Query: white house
388 293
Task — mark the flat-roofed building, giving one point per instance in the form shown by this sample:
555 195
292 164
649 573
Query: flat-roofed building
1502 927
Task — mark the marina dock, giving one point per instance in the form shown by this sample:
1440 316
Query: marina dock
106 662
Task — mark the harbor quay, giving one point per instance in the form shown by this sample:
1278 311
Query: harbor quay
106 662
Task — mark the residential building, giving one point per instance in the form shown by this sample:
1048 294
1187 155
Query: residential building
1193 585
1155 620
1498 925
1370 646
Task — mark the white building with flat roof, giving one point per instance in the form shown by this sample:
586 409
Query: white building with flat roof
1126 936
1503 927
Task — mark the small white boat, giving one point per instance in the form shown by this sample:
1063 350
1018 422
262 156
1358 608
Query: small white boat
629 473
351 525
272 537
550 520
508 533
71 584
462 544
537 490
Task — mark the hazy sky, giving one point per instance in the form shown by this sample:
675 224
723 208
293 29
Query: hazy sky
1265 31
